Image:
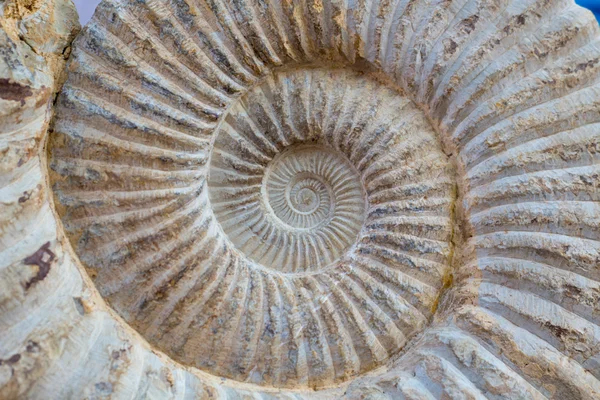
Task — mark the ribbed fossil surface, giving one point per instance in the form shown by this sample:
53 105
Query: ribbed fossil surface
308 199
306 245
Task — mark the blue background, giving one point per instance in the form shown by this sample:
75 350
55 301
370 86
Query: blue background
86 8
593 5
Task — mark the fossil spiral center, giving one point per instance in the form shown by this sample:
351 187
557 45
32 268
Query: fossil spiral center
309 210
306 200
306 197
304 188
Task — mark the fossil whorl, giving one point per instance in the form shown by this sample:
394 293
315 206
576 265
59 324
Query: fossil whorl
294 193
307 245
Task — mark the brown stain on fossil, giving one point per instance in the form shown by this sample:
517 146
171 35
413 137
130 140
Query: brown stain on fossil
14 91
43 259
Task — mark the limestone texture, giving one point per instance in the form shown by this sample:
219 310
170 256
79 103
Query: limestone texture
300 199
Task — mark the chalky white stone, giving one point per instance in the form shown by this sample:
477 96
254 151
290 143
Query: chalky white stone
303 206
300 199
307 211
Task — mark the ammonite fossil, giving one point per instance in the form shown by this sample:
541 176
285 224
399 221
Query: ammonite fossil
301 199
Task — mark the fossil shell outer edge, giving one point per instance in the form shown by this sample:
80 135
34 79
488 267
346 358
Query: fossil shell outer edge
495 210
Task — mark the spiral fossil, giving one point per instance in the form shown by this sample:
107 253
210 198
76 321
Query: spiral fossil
292 168
306 199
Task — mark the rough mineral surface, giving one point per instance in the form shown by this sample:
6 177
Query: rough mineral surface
315 249
387 199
